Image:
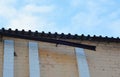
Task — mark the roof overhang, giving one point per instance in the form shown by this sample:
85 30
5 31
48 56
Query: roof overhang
34 36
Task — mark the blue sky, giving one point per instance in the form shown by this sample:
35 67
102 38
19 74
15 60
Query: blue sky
94 17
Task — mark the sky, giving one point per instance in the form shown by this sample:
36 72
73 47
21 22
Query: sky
94 17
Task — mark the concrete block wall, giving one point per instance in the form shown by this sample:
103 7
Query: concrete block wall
55 61
105 61
1 58
21 58
61 61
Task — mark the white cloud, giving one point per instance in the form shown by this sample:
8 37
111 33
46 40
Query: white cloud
29 22
76 3
86 19
24 17
86 16
24 21
98 17
36 1
115 27
38 9
6 8
7 2
8 12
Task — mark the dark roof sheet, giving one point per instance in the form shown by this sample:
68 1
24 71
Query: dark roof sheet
60 36
56 38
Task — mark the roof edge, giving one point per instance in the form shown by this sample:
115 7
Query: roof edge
61 36
35 36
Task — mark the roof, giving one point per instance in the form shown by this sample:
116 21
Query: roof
56 38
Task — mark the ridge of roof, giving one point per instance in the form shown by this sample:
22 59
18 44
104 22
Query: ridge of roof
59 36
